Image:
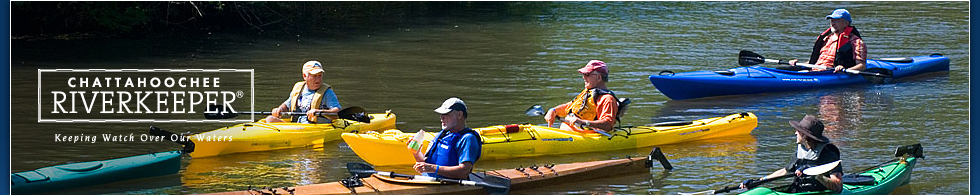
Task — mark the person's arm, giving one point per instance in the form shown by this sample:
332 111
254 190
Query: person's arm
469 150
556 111
833 182
607 109
419 157
461 171
328 104
860 54
276 112
776 173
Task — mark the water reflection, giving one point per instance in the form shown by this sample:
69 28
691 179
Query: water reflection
257 169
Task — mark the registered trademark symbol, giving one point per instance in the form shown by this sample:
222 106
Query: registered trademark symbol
240 94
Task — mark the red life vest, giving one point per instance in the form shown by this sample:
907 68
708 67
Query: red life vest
844 53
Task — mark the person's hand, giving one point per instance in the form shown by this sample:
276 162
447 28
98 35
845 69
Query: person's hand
311 114
550 117
276 112
838 68
799 173
747 182
571 119
793 62
422 167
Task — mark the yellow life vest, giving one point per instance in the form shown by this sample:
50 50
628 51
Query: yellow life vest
297 91
583 105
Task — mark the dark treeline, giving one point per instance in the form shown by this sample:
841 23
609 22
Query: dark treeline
157 18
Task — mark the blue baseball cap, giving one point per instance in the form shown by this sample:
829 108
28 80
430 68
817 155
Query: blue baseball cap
840 13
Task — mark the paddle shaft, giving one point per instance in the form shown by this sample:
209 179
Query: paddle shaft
812 171
603 133
537 110
753 184
824 67
288 113
444 180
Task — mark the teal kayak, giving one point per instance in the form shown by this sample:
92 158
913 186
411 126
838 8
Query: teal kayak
95 172
876 180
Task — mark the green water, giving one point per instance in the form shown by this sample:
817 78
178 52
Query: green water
502 65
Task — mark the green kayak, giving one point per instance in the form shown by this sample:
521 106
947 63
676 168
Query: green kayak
94 173
881 179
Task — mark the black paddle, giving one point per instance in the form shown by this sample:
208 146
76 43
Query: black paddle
188 144
873 75
538 110
817 170
492 184
355 113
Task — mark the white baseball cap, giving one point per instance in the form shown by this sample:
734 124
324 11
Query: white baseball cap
451 104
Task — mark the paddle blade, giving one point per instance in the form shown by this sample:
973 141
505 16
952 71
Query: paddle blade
535 110
220 114
877 75
186 142
492 184
360 170
817 170
914 150
354 113
748 58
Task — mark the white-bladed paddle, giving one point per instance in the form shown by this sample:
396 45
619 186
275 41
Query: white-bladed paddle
817 170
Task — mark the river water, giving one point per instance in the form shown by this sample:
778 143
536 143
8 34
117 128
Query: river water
501 65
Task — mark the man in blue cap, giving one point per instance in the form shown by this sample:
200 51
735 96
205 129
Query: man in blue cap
840 46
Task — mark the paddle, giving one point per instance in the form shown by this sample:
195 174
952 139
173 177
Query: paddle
873 75
538 110
188 144
492 184
355 113
817 170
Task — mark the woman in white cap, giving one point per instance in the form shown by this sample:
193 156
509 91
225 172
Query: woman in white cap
812 149
455 149
840 46
310 91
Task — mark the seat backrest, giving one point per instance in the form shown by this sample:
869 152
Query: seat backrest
623 105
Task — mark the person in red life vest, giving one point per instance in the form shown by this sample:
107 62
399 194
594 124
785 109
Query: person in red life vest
840 46
310 96
455 149
594 108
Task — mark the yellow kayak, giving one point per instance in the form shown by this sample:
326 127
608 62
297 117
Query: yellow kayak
512 141
262 136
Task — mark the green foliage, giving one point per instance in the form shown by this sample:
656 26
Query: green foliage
181 17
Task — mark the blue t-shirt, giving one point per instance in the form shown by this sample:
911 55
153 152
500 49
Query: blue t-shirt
466 148
328 101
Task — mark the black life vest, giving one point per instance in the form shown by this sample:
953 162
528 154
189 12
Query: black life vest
810 184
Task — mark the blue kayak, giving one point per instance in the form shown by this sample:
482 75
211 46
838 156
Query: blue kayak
758 79
95 172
